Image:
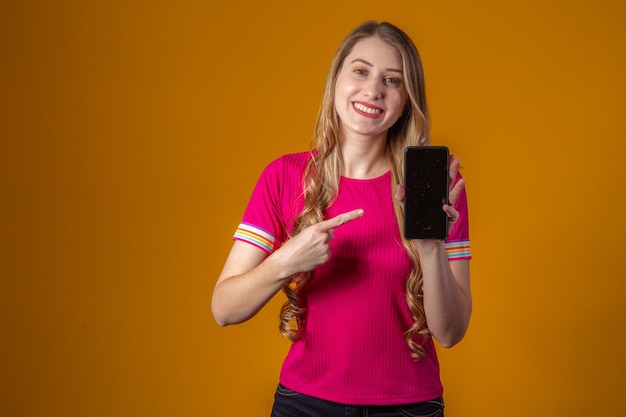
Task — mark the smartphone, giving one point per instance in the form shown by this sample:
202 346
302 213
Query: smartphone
426 182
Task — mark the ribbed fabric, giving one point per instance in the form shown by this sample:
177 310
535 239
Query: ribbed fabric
352 349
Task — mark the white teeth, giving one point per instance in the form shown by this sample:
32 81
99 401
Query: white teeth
367 109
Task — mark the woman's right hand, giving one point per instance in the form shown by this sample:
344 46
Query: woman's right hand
310 248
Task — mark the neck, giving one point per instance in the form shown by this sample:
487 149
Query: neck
364 159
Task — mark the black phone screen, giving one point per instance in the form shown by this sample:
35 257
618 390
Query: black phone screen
426 181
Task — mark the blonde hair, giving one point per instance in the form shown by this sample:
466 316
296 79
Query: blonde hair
321 177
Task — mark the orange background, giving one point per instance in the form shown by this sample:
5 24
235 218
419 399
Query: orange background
133 132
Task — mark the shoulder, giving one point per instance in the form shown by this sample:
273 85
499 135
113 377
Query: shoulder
294 160
289 164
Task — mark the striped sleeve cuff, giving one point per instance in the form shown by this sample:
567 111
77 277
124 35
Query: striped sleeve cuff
257 237
459 249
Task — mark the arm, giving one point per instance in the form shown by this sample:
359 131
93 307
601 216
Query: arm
247 282
446 284
447 297
250 278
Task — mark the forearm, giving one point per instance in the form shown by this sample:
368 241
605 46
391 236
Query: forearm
447 297
238 298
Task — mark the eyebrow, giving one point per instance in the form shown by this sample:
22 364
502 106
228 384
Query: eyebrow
369 64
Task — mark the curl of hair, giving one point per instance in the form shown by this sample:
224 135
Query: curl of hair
321 176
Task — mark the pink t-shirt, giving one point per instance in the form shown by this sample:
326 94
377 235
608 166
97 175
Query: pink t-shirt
352 349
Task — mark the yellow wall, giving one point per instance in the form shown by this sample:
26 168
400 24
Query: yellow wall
132 133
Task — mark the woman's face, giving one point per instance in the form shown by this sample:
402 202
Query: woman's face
369 92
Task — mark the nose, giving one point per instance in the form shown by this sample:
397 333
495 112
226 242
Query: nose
375 88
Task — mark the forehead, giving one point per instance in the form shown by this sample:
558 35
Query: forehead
377 52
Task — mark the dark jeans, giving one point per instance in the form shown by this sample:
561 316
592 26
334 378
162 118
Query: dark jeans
288 403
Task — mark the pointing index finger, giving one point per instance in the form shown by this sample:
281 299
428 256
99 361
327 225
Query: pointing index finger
340 219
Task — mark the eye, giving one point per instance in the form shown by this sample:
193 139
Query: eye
360 71
392 80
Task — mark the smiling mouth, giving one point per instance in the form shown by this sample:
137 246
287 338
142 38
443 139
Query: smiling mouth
366 109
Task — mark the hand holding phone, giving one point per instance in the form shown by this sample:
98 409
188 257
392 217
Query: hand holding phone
426 182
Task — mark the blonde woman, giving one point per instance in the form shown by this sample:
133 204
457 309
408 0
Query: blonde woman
363 304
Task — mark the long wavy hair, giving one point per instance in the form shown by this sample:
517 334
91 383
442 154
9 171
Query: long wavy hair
321 177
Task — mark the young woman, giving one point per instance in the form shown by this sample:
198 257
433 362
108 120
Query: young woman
363 303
